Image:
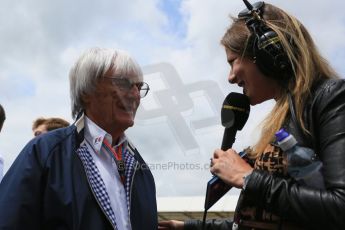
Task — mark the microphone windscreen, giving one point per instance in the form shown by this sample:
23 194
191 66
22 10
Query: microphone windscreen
235 111
229 118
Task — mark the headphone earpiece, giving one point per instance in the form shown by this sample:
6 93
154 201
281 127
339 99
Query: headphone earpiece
268 52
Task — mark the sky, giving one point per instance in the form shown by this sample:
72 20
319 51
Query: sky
177 44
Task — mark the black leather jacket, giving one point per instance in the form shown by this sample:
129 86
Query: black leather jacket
311 208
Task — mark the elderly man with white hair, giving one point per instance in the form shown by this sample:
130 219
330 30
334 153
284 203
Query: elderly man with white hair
88 175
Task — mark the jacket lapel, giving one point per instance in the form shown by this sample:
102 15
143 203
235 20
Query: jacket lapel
96 183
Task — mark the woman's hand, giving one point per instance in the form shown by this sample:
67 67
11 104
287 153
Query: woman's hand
171 225
230 167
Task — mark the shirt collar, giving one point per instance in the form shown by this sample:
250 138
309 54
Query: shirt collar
95 135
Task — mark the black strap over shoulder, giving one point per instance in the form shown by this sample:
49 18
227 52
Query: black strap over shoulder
293 113
307 137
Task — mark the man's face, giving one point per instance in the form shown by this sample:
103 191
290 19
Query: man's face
112 107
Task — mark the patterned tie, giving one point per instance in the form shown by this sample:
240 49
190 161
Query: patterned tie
126 165
118 155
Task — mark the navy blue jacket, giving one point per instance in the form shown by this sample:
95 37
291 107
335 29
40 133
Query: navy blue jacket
46 188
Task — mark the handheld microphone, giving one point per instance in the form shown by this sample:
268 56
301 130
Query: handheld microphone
234 115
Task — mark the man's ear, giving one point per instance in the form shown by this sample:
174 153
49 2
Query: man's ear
85 98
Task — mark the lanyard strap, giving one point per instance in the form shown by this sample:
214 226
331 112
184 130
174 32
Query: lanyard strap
118 155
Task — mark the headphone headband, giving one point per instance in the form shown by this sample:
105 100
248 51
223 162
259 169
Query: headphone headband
257 7
267 50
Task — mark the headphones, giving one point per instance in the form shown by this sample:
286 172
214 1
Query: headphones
268 52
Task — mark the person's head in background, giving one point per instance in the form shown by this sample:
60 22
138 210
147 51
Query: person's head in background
2 120
42 125
2 116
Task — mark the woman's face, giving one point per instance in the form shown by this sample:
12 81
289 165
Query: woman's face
245 73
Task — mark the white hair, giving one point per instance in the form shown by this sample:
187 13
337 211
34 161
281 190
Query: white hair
91 66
